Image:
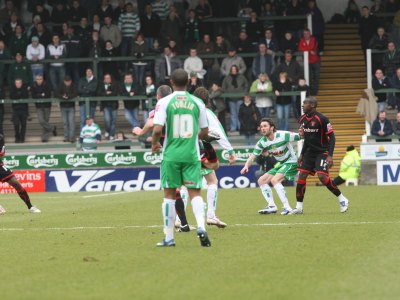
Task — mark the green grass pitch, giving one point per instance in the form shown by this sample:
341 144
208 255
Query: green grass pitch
102 246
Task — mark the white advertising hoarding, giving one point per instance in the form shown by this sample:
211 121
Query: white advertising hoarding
380 151
388 172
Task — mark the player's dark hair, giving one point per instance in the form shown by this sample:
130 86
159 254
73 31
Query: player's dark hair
269 121
202 93
164 90
179 78
311 100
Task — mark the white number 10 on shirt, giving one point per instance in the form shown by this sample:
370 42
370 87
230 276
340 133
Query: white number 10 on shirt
183 126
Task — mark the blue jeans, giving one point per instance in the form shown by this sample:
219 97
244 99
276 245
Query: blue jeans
264 111
132 116
283 114
139 71
110 119
68 115
56 75
83 113
234 106
37 69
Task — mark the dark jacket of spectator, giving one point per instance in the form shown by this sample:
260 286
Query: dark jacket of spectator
249 117
69 92
390 62
20 70
396 127
129 104
283 87
377 85
102 92
387 127
106 11
41 92
76 14
366 29
16 94
150 25
18 44
73 45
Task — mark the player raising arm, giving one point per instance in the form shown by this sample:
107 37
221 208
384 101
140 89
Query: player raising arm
316 154
277 144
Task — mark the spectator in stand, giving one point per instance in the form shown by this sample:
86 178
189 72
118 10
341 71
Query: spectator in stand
261 86
19 91
221 46
76 12
150 25
244 45
10 26
131 107
55 51
110 67
263 62
377 7
95 46
288 42
42 12
165 64
352 12
381 127
35 20
283 103
230 60
268 11
139 50
42 33
90 134
235 83
380 81
119 9
218 103
96 23
318 23
105 10
192 32
194 82
396 124
67 93
150 92
35 52
366 27
391 59
254 29
42 90
249 118
110 32
84 33
161 8
378 42
294 8
301 87
87 87
129 25
194 64
310 44
270 42
203 12
109 88
171 28
20 69
60 14
4 55
206 46
395 83
18 41
73 47
8 10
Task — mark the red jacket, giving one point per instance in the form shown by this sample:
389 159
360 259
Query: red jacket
312 48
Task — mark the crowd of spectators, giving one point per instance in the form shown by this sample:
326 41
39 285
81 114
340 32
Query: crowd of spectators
157 37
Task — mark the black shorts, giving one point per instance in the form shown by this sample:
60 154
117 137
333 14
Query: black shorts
5 173
314 163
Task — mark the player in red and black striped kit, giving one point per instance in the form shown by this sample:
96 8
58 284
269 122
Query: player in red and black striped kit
316 155
6 175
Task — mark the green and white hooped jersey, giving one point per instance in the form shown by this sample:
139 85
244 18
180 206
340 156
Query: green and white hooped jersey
215 125
183 115
279 147
89 133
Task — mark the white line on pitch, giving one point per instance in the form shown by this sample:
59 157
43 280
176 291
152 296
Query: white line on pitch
233 225
103 195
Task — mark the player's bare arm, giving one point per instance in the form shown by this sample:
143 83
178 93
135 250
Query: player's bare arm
147 127
155 143
232 158
248 164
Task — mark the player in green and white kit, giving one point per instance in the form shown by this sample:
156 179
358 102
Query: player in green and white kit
277 144
184 118
214 126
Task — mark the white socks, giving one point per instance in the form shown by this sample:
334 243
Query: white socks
342 198
198 211
299 205
185 195
169 213
267 193
212 197
280 190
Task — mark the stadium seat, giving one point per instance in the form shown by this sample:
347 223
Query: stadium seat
353 181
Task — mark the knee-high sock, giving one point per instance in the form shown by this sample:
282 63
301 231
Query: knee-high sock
331 186
198 211
280 190
300 191
168 211
23 194
267 193
180 208
212 198
185 195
